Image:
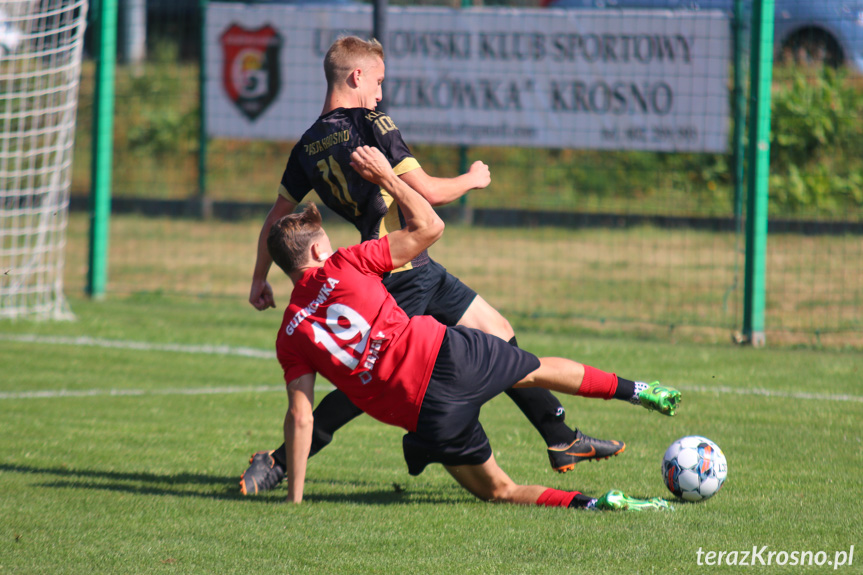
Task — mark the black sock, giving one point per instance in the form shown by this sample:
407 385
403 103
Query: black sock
331 414
543 410
625 389
580 500
279 456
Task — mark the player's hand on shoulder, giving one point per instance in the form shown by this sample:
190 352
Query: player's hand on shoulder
371 164
481 174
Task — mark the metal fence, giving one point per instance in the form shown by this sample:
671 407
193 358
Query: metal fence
645 239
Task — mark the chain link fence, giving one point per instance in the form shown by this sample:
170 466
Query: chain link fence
639 239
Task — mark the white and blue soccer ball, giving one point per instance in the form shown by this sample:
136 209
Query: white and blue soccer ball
694 468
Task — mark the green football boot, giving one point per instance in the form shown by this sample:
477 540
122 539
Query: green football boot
618 501
661 398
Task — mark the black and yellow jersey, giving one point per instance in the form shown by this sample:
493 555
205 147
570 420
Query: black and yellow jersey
321 161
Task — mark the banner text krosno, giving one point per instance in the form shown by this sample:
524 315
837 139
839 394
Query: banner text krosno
602 79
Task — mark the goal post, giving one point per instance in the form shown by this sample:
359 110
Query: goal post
41 44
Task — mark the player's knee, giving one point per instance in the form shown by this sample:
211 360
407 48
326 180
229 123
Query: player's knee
480 315
502 329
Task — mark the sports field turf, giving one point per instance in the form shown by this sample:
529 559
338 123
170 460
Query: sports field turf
123 458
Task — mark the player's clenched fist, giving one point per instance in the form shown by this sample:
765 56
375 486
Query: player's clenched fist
261 295
371 164
481 175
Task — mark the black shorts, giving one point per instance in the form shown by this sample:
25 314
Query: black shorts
430 290
471 368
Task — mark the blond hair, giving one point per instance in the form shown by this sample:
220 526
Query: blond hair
347 54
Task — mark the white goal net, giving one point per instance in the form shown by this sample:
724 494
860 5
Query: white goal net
41 43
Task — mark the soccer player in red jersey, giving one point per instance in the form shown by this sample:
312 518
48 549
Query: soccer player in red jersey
320 161
413 372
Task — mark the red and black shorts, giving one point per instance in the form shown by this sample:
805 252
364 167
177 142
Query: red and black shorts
472 367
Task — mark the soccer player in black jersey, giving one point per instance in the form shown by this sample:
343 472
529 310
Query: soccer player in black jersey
355 71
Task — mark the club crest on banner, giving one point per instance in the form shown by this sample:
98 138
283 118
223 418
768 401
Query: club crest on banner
251 72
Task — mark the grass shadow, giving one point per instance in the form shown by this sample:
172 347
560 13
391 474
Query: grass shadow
216 487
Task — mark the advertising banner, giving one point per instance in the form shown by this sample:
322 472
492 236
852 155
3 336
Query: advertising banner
599 79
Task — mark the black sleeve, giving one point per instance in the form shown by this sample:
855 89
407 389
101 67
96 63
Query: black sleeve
294 179
389 139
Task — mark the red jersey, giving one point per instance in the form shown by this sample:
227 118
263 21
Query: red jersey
342 323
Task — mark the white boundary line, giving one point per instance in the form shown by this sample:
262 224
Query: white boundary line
140 345
52 393
719 389
263 354
55 393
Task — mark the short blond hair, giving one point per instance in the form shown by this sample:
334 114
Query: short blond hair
347 54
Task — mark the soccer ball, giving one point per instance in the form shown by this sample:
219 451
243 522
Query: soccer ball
694 468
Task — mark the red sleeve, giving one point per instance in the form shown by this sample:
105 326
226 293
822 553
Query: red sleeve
372 257
293 364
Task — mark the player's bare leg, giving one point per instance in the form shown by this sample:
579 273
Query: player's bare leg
566 447
491 483
572 378
482 316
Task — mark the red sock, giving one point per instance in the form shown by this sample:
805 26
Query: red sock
597 383
556 498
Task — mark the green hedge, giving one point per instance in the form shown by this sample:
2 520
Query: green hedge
817 142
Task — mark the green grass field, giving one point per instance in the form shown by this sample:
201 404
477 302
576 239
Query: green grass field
117 458
123 433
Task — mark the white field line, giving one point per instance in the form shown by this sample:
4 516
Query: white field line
263 354
719 389
55 393
222 350
140 345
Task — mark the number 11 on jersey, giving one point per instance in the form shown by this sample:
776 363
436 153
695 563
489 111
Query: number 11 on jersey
339 187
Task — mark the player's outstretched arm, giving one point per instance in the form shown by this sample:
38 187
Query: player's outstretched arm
440 191
423 226
298 433
261 294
